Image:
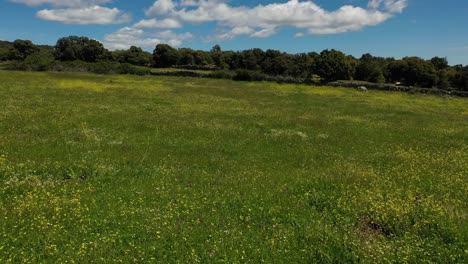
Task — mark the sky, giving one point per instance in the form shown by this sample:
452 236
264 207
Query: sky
387 28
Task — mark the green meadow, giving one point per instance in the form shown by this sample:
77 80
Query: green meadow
127 169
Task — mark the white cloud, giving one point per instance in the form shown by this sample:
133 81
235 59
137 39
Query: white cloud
264 33
88 15
154 23
131 36
299 35
67 3
393 6
160 7
78 11
266 20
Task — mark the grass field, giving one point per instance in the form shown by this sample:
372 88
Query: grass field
124 169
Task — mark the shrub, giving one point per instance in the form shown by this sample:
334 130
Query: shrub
222 75
40 61
246 75
197 67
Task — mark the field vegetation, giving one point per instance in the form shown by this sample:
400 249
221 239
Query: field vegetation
82 54
141 169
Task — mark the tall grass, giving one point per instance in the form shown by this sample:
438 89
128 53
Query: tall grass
109 169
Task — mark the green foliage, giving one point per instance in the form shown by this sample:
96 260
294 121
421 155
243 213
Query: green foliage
222 74
275 63
101 168
165 56
246 75
334 65
443 79
79 48
40 61
256 64
413 71
134 56
247 60
217 57
23 48
44 61
370 69
126 68
5 48
439 63
459 79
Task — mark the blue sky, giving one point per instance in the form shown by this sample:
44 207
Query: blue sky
390 28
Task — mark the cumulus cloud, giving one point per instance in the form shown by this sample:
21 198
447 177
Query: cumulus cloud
393 6
88 15
154 23
67 3
257 21
260 21
264 33
161 7
78 11
131 36
265 20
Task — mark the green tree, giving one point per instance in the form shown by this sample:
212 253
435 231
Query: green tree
370 69
202 58
276 63
246 60
186 56
217 57
22 49
413 71
40 61
79 48
334 65
440 63
134 56
4 53
460 78
165 56
300 65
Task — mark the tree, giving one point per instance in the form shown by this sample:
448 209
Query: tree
165 56
334 65
134 55
413 71
247 60
22 49
186 56
216 48
202 58
40 61
370 69
443 79
5 47
460 79
301 66
440 63
79 48
217 57
275 63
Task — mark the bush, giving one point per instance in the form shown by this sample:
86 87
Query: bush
44 61
197 67
222 75
246 75
126 68
40 61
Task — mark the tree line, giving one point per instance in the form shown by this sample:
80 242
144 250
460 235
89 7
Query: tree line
328 65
